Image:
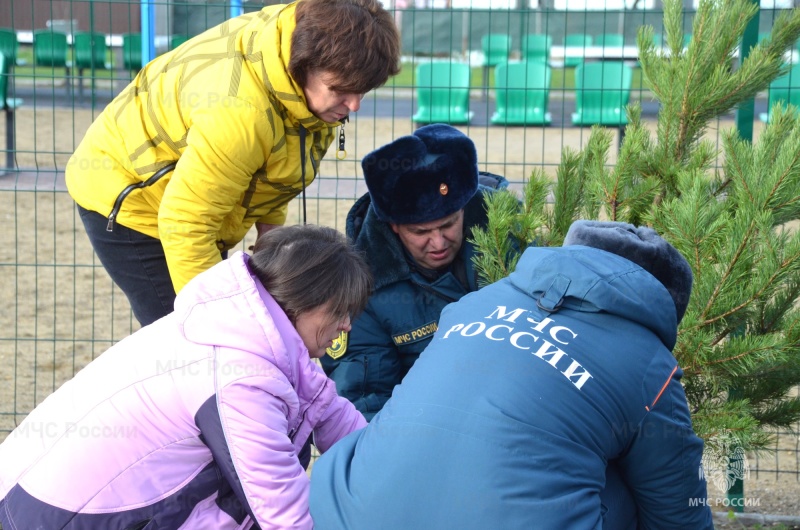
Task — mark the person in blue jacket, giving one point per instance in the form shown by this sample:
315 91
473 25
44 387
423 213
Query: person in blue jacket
425 197
530 388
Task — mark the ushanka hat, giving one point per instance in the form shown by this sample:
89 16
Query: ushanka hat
422 177
643 246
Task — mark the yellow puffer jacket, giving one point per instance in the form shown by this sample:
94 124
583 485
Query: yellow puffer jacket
222 106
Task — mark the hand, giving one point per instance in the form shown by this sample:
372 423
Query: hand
261 228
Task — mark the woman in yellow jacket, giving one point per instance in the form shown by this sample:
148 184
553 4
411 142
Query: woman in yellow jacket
220 134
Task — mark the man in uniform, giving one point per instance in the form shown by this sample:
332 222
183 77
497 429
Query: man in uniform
549 399
425 197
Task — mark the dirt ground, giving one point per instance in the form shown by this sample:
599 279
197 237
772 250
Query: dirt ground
61 310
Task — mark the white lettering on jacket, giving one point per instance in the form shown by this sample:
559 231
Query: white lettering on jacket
536 342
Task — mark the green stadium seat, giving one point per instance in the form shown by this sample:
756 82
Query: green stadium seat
9 45
50 49
132 51
9 106
442 93
782 91
522 93
536 47
576 40
496 48
89 53
602 91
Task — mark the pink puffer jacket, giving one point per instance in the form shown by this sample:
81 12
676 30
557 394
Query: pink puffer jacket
192 422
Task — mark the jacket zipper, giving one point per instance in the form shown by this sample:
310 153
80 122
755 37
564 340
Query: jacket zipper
127 191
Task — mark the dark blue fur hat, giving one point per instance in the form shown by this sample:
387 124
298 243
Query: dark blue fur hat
422 177
644 247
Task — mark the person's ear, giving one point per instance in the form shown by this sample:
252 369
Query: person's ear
395 229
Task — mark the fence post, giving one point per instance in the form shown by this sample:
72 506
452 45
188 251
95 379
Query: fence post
236 8
744 124
148 24
744 115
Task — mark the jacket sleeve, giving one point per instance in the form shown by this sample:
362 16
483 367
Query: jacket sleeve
369 369
340 419
257 457
226 144
662 465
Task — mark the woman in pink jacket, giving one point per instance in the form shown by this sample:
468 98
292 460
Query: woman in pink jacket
196 421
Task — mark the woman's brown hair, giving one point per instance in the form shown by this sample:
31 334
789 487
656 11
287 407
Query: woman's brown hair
306 266
355 40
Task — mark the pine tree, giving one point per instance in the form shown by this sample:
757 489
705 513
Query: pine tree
734 221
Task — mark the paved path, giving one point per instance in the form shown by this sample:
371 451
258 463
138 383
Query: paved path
384 103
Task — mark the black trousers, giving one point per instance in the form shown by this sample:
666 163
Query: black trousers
136 263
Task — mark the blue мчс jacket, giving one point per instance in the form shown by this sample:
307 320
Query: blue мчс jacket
511 415
403 312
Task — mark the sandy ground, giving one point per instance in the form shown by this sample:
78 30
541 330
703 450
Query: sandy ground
61 310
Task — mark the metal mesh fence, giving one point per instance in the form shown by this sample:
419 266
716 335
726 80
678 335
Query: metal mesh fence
59 309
